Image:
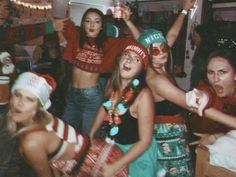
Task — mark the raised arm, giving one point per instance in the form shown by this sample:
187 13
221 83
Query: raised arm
175 29
134 30
194 101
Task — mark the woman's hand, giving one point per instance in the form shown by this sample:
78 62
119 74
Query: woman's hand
108 170
197 100
202 101
123 12
188 4
126 13
205 139
58 24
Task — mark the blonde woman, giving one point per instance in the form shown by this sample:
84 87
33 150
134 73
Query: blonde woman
44 139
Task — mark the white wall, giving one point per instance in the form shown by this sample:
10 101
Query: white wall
78 7
225 11
196 19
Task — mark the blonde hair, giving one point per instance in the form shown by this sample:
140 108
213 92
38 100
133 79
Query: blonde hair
41 118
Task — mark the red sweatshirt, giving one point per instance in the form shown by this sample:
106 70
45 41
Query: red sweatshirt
90 58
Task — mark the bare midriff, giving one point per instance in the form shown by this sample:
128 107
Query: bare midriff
83 79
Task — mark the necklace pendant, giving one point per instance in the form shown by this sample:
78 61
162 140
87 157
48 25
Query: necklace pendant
114 130
135 82
108 104
121 108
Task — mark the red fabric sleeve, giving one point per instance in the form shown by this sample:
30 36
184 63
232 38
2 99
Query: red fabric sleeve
72 35
226 105
113 47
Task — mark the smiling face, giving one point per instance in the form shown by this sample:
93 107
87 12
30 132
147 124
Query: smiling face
4 11
159 55
221 76
23 106
130 65
92 24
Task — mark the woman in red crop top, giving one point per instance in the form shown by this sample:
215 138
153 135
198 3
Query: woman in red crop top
43 138
91 53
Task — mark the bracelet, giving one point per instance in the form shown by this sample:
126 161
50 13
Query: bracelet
184 11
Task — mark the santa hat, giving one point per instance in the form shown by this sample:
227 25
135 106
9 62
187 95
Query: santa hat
40 86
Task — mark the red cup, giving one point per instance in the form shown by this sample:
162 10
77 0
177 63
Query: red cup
4 89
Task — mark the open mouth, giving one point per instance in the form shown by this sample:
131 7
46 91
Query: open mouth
126 68
158 65
17 111
218 89
91 30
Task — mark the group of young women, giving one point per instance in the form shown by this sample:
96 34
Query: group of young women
140 111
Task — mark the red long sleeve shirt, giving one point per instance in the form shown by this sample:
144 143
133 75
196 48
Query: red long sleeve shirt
89 57
226 105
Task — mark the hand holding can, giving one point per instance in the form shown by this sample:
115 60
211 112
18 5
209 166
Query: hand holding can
118 8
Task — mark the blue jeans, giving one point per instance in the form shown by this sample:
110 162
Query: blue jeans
82 106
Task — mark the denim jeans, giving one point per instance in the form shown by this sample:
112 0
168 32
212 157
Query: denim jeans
82 106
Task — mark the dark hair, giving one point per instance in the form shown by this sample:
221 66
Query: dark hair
101 36
208 38
227 54
201 30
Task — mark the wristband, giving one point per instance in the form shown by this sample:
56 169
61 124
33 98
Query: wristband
184 11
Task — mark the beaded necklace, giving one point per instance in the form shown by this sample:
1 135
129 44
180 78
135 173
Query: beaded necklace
115 111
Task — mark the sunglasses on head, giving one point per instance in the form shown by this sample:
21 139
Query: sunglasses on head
164 48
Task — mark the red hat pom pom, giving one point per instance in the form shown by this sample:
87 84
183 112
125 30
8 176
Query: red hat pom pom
50 80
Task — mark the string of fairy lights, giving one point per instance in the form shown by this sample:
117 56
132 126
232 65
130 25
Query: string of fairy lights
35 5
33 8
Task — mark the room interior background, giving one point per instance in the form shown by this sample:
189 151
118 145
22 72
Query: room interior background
158 14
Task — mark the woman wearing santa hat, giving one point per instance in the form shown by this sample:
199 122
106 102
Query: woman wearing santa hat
41 135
